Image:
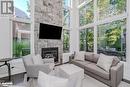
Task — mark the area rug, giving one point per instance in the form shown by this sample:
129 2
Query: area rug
87 82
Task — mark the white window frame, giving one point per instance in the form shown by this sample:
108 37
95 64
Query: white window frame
99 22
21 20
28 21
63 18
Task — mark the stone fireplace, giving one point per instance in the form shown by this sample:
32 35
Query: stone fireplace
48 12
50 53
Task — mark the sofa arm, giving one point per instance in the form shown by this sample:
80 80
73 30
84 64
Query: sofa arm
33 70
116 74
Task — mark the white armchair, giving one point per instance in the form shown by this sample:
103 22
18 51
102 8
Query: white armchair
32 69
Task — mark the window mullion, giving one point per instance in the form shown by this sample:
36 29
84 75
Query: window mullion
95 26
84 3
111 19
87 26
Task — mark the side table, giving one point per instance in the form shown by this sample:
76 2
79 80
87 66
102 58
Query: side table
6 62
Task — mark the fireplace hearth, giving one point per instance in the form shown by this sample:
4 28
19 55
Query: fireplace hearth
48 53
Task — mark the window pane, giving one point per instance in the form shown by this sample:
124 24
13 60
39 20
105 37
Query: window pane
112 38
86 14
82 40
81 1
66 22
21 39
108 8
87 39
66 41
22 9
66 11
67 3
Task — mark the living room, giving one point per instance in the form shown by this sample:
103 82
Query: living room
64 43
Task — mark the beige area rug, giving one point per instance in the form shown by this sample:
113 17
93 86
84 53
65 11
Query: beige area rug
91 82
87 82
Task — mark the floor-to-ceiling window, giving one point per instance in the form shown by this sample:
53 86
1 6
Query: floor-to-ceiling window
108 19
21 28
66 25
86 17
111 38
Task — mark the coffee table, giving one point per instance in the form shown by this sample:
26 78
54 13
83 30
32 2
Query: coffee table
72 72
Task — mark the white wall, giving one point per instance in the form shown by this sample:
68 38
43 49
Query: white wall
128 33
127 64
74 33
5 37
32 2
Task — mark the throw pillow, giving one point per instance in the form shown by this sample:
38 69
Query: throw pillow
66 57
37 59
80 56
115 61
45 80
95 58
105 62
92 57
89 57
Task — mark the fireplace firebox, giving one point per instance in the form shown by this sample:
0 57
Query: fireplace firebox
48 53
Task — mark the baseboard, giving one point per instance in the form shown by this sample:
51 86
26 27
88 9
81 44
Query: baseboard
127 81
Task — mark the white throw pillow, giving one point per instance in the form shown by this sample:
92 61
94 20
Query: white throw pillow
105 62
37 59
80 56
65 58
45 80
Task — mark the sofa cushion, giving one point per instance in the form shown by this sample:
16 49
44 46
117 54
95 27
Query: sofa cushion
89 57
92 57
95 57
91 67
80 63
80 56
115 61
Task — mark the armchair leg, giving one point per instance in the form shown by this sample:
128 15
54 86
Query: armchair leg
28 78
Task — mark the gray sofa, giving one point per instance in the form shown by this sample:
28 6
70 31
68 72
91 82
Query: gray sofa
113 78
